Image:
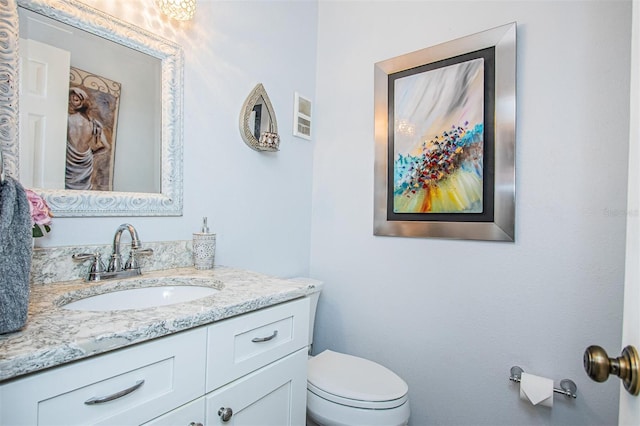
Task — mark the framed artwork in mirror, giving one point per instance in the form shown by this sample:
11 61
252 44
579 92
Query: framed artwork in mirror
445 140
91 131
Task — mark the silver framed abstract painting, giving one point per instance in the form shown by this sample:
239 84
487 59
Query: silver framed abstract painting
445 140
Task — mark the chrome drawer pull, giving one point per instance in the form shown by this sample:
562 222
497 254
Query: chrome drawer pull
102 399
265 339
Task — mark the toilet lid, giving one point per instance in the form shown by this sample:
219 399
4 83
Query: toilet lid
350 377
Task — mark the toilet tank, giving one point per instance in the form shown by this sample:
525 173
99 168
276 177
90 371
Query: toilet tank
314 297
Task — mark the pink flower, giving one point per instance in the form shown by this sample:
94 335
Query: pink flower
40 214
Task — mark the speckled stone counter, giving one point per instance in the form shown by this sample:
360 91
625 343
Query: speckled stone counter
55 335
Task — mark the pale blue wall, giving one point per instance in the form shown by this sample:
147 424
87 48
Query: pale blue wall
452 317
258 204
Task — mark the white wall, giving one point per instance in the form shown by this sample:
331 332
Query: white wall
258 204
630 404
452 317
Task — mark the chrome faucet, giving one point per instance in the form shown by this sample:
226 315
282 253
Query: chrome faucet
131 268
115 263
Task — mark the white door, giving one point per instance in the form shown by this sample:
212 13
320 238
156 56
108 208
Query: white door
629 412
44 100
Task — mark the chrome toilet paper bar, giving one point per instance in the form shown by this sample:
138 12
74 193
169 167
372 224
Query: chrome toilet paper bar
567 387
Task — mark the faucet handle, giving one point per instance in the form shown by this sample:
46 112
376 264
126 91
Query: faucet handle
143 251
115 263
90 256
132 262
97 266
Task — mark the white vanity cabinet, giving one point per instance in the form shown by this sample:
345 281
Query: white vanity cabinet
159 374
245 370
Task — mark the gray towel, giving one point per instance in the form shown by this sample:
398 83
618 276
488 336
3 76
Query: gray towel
15 255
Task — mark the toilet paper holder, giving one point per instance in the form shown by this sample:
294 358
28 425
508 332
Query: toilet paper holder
568 387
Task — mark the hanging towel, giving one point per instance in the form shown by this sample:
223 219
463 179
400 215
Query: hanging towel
15 255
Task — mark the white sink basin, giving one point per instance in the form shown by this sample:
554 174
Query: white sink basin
141 298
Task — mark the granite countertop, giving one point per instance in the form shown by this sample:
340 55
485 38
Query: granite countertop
54 335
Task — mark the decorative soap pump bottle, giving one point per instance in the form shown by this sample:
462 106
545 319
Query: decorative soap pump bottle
204 247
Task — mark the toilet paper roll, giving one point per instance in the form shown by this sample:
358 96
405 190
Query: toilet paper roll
537 390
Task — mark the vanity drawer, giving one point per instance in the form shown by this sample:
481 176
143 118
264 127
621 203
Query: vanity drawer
240 345
168 372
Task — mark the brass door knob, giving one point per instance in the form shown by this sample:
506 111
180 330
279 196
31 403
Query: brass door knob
599 366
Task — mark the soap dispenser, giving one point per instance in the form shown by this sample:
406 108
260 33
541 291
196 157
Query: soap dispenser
204 247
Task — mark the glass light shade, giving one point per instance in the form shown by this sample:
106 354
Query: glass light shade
182 10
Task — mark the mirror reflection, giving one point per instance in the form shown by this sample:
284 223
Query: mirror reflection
258 124
162 141
259 121
90 110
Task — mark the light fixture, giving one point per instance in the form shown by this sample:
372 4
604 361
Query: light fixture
182 10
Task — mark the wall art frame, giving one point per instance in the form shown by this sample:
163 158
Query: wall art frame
411 181
302 122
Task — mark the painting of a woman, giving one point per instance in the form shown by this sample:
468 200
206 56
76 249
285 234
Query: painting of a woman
92 114
85 138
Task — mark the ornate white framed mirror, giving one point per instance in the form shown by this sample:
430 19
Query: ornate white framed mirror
159 190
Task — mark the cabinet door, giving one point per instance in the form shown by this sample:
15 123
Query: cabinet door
275 395
191 414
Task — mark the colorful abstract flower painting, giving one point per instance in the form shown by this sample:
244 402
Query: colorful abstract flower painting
439 140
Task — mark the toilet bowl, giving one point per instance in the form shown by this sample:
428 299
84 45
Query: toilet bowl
345 390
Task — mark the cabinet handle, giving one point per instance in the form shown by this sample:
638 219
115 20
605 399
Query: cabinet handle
103 399
225 414
195 424
265 339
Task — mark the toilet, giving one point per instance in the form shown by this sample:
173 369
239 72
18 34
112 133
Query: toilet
345 390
